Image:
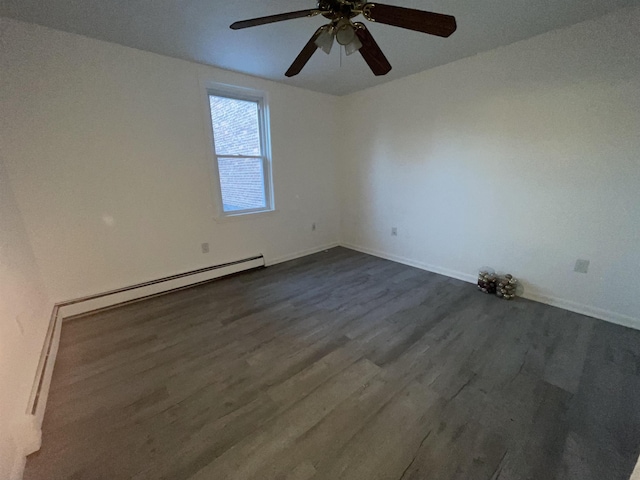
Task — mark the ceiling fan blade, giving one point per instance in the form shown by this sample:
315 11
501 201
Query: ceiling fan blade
371 52
411 19
274 18
304 56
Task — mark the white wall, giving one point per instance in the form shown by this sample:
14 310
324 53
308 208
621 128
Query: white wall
108 153
524 158
24 311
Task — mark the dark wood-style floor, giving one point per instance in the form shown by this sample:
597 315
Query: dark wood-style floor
341 366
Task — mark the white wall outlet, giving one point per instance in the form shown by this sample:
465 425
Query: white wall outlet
205 248
582 266
394 231
313 227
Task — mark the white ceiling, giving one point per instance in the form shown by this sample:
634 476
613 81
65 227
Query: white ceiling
199 30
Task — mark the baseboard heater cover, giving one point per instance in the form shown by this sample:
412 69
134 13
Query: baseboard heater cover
112 298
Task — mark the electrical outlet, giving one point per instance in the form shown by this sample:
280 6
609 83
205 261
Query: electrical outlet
205 248
582 266
313 227
394 231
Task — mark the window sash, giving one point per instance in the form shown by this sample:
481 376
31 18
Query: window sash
265 182
264 148
260 122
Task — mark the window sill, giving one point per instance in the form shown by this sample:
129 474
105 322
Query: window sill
243 216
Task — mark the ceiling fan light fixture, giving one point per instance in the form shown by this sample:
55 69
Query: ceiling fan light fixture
354 46
325 39
345 32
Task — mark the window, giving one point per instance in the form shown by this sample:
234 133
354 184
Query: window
241 150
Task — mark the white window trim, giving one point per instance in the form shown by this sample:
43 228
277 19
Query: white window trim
249 94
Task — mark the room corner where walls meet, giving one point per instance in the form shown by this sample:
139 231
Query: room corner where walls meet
523 158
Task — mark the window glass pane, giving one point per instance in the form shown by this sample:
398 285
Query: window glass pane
235 126
242 183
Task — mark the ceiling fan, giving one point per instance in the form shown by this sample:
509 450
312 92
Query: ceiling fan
354 36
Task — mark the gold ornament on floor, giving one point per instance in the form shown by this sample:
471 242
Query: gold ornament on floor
487 281
506 287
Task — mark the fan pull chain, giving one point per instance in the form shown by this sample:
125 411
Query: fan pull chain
340 56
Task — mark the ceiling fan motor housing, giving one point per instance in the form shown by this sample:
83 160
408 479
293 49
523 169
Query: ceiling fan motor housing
336 9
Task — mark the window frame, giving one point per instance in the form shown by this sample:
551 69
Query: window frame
260 98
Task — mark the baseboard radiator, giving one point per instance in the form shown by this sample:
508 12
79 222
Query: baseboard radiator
110 299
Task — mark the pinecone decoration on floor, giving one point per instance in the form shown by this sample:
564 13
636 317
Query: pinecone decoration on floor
487 282
507 287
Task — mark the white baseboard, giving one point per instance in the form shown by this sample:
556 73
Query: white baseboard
100 301
42 383
465 277
588 310
17 471
25 437
31 434
636 472
302 253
